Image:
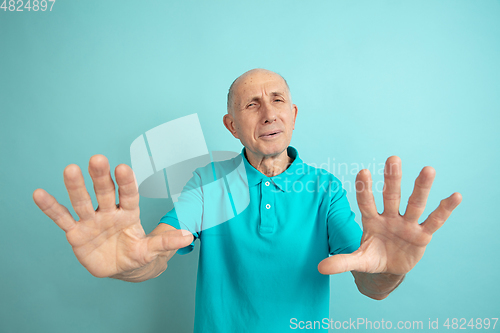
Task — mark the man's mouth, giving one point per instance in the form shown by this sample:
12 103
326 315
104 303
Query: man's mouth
270 134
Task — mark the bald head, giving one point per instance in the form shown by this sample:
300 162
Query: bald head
248 75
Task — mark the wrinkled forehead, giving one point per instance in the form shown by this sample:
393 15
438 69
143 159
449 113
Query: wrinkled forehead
256 84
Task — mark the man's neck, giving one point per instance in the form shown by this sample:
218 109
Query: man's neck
269 165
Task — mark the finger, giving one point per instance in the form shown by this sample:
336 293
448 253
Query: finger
127 187
418 199
54 210
340 263
103 184
170 240
437 218
80 198
392 185
364 194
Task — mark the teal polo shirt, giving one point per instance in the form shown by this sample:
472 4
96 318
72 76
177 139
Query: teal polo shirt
261 242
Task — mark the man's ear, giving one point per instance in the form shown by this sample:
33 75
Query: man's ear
229 123
295 109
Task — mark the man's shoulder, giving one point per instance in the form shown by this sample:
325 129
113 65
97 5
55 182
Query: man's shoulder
218 169
310 170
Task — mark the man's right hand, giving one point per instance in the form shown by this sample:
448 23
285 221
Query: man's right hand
110 241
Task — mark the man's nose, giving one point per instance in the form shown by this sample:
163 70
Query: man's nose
268 113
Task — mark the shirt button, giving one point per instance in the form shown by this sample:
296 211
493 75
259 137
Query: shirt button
267 183
268 206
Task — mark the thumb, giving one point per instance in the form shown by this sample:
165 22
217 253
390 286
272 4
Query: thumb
340 263
170 240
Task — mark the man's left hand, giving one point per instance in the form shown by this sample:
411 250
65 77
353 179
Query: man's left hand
392 243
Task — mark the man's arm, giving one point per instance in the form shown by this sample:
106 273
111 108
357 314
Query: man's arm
377 285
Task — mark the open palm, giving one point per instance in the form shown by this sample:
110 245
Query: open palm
392 243
109 240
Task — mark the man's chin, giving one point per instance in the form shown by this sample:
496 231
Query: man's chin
273 151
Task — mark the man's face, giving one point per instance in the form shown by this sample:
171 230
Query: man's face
263 116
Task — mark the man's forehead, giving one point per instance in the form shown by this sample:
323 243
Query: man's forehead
254 83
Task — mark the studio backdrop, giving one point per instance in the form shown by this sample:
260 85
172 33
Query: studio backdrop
371 79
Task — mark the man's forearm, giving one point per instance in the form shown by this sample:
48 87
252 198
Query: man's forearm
150 271
377 285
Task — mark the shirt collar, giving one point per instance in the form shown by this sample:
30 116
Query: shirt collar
293 172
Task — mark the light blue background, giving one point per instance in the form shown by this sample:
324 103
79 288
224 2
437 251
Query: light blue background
417 79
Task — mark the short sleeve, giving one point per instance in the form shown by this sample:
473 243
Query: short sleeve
171 219
344 234
205 200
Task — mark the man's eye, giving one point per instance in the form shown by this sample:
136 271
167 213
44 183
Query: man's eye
278 100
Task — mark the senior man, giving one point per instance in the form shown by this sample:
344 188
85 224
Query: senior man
270 263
